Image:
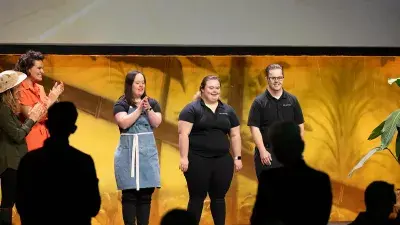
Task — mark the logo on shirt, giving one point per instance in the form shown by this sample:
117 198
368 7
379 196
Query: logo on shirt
287 105
223 113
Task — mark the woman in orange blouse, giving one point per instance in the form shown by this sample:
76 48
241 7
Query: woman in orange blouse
31 63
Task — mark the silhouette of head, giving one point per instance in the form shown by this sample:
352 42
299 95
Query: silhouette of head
286 142
177 217
61 120
380 198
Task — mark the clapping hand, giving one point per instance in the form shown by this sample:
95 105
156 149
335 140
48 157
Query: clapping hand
56 91
37 112
146 104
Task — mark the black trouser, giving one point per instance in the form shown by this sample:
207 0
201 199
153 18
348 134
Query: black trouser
212 176
8 194
260 167
136 205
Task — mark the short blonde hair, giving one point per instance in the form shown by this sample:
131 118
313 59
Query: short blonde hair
273 67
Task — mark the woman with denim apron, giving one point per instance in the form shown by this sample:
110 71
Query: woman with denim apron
136 162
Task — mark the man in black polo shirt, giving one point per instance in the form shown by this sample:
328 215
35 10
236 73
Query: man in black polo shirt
275 104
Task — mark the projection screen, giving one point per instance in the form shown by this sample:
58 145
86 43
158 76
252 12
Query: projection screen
359 23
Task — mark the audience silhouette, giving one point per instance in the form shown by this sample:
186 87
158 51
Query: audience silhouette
57 184
178 217
379 198
294 193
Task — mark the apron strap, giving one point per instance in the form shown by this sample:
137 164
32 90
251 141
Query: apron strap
135 156
135 163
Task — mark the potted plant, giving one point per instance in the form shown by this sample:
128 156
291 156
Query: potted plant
386 131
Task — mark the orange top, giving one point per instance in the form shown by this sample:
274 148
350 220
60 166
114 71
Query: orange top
29 96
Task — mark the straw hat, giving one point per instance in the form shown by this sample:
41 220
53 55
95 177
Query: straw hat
10 79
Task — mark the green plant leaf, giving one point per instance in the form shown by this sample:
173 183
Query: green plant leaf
363 160
377 131
398 144
394 80
390 127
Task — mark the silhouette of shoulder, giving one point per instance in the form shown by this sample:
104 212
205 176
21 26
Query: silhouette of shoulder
282 188
304 172
303 179
45 153
67 161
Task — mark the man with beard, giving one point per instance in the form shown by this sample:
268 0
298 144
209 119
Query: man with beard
275 104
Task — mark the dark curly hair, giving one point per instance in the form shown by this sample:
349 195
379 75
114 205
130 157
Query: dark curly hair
27 61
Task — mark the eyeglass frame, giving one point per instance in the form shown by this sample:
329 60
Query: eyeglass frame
280 78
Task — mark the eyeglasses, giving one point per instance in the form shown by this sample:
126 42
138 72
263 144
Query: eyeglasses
276 78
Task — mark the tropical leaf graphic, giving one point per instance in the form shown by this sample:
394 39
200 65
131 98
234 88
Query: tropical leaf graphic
387 131
202 62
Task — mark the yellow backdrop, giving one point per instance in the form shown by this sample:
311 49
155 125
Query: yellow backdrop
343 99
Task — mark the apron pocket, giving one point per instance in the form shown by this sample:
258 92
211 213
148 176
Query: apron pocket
147 146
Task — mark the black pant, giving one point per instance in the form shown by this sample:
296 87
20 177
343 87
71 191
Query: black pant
136 205
212 176
8 194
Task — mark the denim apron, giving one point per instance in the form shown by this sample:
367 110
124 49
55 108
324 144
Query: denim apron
136 163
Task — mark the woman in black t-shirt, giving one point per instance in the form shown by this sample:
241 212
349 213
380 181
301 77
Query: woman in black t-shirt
203 127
